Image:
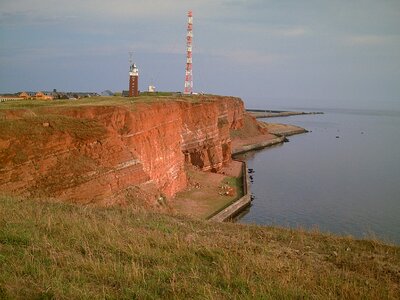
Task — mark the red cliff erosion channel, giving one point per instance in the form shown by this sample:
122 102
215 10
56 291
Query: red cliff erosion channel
162 152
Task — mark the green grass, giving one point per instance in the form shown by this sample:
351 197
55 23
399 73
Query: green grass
43 126
105 101
33 104
158 94
62 251
237 184
20 129
208 200
249 129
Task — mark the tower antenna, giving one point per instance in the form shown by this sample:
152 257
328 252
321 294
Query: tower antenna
189 38
130 57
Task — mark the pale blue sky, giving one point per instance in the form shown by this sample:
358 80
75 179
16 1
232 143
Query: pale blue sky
270 53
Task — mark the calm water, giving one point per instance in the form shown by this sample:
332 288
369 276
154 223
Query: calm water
346 185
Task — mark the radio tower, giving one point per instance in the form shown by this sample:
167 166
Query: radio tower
189 38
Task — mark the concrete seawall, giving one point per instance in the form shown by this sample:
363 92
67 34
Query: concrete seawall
237 206
256 146
259 113
290 132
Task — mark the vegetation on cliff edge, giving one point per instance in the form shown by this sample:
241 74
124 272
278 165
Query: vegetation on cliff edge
66 251
106 101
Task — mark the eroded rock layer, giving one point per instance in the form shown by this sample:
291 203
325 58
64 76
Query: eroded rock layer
95 153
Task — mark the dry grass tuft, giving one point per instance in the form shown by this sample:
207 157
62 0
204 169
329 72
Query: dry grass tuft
54 250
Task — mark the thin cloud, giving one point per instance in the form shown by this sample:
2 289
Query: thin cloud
290 32
371 40
164 48
252 57
286 32
31 17
125 9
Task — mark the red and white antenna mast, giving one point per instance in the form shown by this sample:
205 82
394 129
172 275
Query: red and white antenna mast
189 38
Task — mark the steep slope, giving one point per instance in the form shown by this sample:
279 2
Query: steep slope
88 152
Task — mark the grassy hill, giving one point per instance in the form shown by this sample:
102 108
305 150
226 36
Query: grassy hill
63 251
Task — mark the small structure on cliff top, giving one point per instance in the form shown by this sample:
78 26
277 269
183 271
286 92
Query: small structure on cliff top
133 78
43 96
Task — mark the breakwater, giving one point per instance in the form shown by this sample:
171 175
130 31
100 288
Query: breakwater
266 113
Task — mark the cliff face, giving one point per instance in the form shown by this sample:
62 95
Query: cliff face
205 133
103 153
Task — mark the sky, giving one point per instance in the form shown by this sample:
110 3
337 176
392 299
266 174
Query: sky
272 54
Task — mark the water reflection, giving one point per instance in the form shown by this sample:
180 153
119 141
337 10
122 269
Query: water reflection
346 185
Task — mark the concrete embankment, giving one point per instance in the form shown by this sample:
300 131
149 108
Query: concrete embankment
259 113
292 132
237 206
232 210
280 131
256 146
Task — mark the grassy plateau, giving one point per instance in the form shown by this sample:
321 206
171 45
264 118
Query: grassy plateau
63 251
103 101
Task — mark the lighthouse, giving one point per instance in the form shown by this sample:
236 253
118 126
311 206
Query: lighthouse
133 80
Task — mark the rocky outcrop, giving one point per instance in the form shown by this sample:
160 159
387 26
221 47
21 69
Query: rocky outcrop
94 153
206 141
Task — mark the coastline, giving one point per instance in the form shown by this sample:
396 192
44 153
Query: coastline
277 134
330 182
206 199
280 131
207 133
258 145
143 247
237 206
259 113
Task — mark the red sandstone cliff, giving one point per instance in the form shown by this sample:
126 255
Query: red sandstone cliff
94 153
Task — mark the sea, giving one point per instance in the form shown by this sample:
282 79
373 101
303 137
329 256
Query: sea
342 177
